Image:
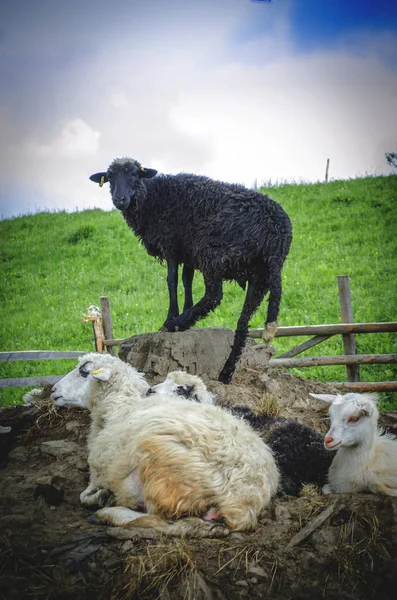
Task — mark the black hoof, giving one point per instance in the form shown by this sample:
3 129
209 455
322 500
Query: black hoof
168 326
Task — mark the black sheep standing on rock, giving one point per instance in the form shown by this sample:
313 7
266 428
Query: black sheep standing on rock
226 231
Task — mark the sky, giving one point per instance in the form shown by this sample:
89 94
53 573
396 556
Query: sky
238 90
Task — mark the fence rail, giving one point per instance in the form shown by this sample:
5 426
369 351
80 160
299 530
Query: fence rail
38 355
35 355
345 359
340 328
29 381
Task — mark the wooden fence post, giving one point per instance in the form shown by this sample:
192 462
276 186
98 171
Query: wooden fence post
326 171
346 313
107 323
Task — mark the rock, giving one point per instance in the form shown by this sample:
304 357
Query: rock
257 570
19 454
201 352
44 480
127 546
326 540
281 512
60 448
73 426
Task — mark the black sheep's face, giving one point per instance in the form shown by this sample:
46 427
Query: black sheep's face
123 176
124 180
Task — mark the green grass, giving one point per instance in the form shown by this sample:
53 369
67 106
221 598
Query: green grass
54 265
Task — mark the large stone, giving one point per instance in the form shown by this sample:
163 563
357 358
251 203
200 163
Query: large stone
60 448
201 352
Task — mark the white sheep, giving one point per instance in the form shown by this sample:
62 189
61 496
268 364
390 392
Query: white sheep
366 458
176 458
180 383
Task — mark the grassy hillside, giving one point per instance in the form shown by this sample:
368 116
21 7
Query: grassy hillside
54 265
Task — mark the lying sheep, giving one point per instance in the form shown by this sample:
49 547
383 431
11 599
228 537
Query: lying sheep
176 458
226 231
299 450
366 457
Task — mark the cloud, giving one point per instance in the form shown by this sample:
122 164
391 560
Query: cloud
76 140
193 91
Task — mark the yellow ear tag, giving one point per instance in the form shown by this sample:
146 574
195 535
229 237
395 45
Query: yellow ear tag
97 371
102 181
142 169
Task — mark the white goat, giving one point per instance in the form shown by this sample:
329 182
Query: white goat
366 458
176 458
180 383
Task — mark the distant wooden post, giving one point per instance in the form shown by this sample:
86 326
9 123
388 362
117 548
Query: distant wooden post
326 171
346 313
107 323
94 316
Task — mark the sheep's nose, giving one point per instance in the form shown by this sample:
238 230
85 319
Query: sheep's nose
150 391
120 202
328 440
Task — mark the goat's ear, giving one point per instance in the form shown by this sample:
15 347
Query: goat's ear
147 173
99 178
328 398
103 374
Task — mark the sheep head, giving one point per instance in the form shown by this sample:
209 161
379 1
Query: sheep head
123 175
353 417
79 387
180 383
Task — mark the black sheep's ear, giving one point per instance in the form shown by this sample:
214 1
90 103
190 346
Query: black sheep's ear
147 173
99 178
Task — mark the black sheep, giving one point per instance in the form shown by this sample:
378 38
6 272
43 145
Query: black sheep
226 231
298 449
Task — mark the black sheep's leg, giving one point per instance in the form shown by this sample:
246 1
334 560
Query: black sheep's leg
187 280
253 299
172 282
210 300
273 308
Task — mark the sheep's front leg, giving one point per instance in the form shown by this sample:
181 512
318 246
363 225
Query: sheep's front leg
92 496
210 300
172 282
95 494
187 280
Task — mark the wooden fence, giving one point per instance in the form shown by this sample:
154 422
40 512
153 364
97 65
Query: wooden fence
103 338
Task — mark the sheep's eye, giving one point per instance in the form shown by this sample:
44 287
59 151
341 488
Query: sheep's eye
182 391
353 419
83 371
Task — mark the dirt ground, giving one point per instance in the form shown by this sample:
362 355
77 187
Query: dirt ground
335 547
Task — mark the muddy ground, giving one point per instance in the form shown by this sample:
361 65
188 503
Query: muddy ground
332 547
